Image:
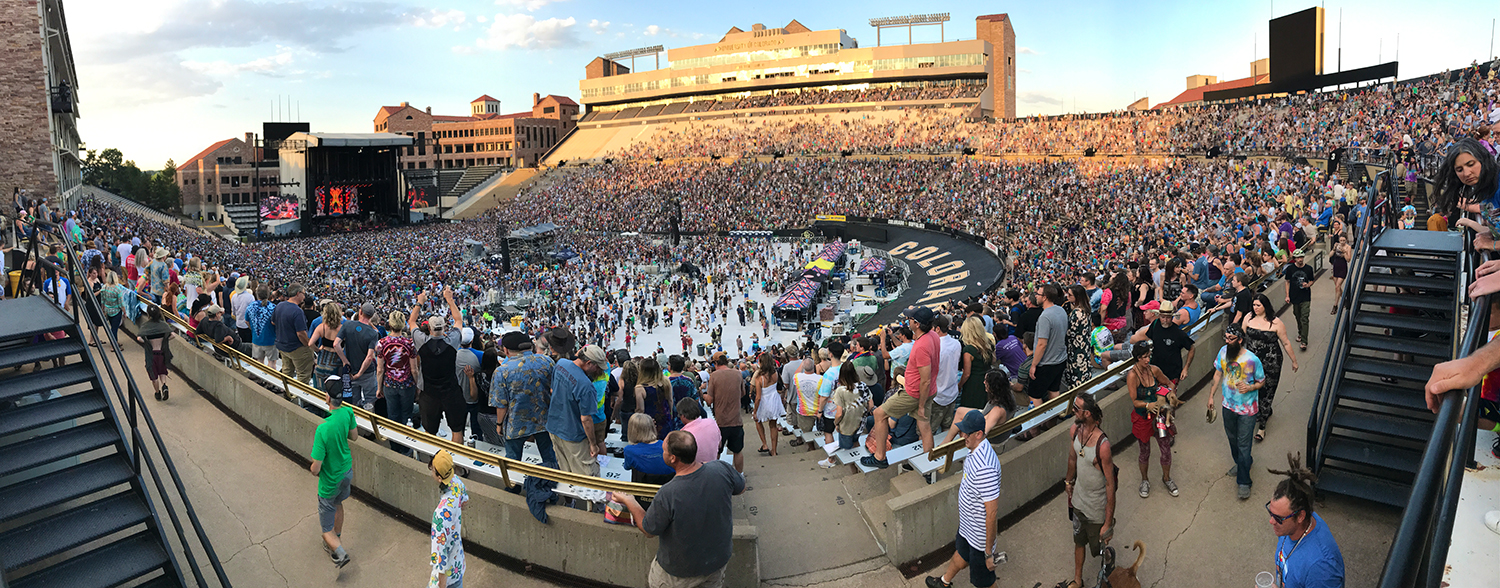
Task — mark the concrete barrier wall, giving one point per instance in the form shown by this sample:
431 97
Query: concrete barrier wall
574 542
926 520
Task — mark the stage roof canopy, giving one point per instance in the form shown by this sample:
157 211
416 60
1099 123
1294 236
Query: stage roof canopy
351 139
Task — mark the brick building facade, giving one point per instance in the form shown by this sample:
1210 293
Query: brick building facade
225 174
40 152
484 137
996 29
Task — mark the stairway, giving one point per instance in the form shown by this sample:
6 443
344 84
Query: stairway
1400 324
73 510
472 176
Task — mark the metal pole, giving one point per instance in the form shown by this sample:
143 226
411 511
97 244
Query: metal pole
1341 39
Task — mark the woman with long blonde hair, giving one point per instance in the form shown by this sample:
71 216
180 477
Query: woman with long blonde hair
978 356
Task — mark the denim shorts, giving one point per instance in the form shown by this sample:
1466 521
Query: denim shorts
847 441
327 507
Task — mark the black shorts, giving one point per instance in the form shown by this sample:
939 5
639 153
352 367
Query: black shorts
734 438
1489 410
433 410
980 573
825 424
1048 379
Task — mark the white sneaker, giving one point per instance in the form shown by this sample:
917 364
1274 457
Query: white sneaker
1492 520
824 463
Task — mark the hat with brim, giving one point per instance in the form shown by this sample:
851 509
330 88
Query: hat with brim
161 253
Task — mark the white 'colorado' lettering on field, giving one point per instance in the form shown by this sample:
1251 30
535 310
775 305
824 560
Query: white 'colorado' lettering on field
948 273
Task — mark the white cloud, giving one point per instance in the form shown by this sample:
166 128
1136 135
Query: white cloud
436 19
1027 51
1039 98
465 50
651 31
272 66
482 18
526 32
599 27
529 5
1023 70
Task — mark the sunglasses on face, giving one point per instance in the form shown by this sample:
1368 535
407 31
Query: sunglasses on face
1280 520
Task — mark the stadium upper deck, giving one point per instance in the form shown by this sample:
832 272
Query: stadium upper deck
765 61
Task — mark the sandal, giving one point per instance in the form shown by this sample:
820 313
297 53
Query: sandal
763 451
1260 434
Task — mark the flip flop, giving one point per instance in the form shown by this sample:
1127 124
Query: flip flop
763 451
1260 435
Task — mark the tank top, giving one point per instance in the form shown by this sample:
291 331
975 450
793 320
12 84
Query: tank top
1088 489
1147 394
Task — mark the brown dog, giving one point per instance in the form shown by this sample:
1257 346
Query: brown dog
1125 577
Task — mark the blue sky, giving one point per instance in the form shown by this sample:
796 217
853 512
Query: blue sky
165 78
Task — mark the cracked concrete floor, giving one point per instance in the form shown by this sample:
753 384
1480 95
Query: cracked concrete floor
260 511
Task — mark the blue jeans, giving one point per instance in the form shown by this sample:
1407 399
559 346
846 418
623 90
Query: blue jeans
1241 432
543 446
399 399
847 441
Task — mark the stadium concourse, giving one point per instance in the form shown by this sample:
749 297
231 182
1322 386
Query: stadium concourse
1132 226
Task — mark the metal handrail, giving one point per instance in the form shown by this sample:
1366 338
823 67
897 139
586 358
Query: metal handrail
1418 544
132 403
506 465
946 450
1318 419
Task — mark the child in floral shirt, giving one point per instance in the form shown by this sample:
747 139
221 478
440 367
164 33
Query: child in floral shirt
447 525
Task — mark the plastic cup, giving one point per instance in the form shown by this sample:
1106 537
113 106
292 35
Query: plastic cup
1265 580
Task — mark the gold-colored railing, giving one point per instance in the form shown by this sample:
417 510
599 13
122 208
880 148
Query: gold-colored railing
506 465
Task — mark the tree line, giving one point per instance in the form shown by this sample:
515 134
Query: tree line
110 170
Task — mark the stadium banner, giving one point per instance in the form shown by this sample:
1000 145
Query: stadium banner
833 218
992 248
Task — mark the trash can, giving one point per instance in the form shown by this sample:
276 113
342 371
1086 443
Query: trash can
702 350
14 283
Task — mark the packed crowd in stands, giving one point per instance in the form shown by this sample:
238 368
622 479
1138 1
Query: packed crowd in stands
815 97
1417 117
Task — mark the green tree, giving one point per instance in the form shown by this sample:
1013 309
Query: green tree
164 192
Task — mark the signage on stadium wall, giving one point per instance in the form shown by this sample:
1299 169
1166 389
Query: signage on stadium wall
836 218
992 248
943 271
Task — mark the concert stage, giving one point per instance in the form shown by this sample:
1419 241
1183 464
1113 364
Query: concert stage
328 177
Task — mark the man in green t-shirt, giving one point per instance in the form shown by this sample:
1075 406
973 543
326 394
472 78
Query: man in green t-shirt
333 467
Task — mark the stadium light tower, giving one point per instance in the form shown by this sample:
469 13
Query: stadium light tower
654 50
909 21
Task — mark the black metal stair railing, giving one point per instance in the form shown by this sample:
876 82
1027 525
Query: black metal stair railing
130 399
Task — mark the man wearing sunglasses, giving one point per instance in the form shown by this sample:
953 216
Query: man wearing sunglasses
1307 556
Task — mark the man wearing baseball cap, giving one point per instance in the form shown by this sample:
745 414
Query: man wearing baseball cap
921 382
978 509
355 344
570 414
441 397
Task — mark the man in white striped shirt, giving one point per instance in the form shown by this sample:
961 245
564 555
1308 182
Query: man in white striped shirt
978 509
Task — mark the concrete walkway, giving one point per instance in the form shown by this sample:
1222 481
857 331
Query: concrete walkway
260 510
257 505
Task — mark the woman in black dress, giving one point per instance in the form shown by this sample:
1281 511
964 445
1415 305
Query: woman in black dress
1265 336
1340 261
154 335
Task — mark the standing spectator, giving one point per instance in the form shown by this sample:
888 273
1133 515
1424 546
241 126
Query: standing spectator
520 392
440 396
682 385
693 516
262 331
112 297
1149 389
978 356
945 397
1265 336
768 405
1168 340
1307 556
1080 352
466 370
570 413
1299 281
722 393
355 343
239 302
1090 483
826 386
1238 375
154 334
704 430
653 394
920 381
1049 360
291 334
805 388
396 372
334 468
447 524
158 275
978 508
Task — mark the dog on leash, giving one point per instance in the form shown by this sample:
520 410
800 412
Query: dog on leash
1125 577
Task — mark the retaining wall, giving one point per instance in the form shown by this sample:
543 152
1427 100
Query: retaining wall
574 542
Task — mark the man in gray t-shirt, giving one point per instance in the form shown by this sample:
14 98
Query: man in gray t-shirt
692 514
1051 355
356 341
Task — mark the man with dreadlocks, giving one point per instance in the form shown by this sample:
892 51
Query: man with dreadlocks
1306 554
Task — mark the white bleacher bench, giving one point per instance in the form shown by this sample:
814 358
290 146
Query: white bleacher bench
853 454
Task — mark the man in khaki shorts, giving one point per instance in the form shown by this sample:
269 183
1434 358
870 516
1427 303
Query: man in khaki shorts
920 382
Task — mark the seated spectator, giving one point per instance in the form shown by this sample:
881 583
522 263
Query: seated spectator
643 454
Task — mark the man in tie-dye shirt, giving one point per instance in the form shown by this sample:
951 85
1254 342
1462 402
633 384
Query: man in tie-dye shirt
1238 375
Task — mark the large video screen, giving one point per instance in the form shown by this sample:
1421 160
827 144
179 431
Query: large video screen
337 199
277 207
421 196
